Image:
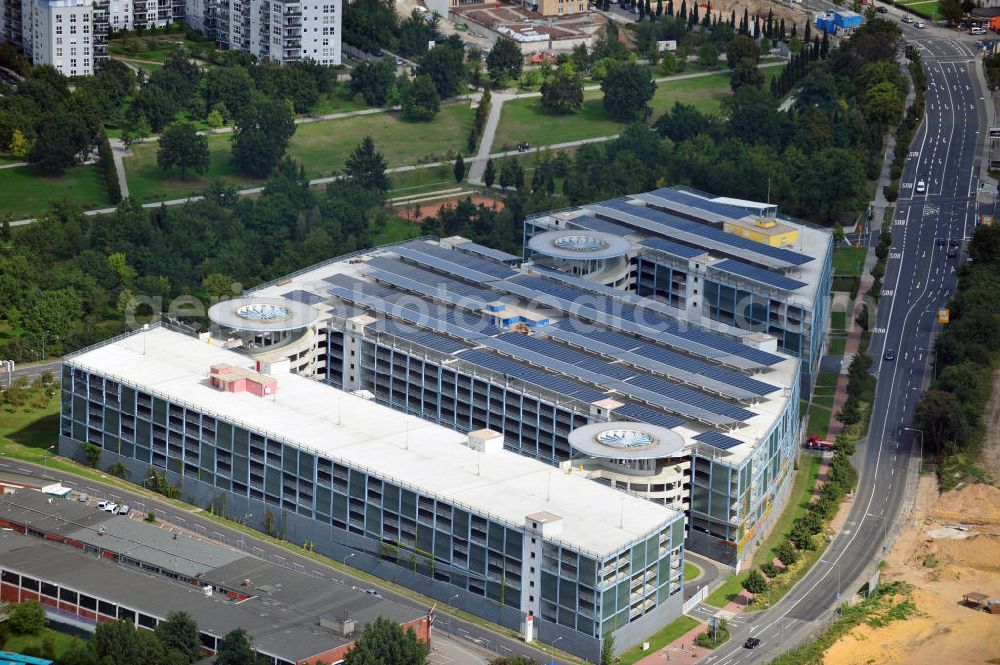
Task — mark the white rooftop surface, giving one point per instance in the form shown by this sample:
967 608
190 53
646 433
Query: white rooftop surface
391 445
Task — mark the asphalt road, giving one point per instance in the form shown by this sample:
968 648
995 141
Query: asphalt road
473 641
919 277
30 371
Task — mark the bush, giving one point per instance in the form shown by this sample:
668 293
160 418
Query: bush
891 191
786 553
107 161
27 618
771 570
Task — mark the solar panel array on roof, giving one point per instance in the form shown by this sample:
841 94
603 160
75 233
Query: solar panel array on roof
516 370
432 285
690 397
758 275
410 308
700 235
644 414
685 198
659 361
298 295
602 225
637 320
717 440
420 337
487 252
463 265
672 248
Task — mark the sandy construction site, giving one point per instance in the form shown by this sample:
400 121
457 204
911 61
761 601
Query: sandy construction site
950 546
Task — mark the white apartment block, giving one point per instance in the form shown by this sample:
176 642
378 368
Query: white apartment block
282 32
60 33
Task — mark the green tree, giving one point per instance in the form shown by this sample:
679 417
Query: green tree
119 643
421 101
27 618
883 104
708 55
459 168
231 87
366 168
214 119
562 93
787 553
490 174
153 104
63 139
742 49
181 147
935 415
235 648
627 90
384 641
373 81
668 63
18 144
504 61
179 633
445 67
93 453
745 73
608 649
217 285
754 582
261 136
119 470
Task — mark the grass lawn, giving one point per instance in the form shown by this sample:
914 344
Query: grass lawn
845 284
691 571
705 93
849 260
527 120
827 379
146 182
819 421
823 399
35 428
657 641
323 147
837 345
26 192
338 101
60 641
927 8
838 322
394 229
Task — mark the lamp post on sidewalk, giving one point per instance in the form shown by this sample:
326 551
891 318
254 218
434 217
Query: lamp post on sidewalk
917 429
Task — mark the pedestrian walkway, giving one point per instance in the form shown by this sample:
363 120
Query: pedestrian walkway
850 349
682 649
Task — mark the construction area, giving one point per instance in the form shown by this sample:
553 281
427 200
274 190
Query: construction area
948 550
533 32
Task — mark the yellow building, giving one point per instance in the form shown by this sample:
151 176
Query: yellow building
764 230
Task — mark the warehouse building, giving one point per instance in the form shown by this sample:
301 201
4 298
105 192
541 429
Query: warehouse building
87 567
449 514
714 260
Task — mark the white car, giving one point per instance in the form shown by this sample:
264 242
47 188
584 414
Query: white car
122 510
101 505
921 187
976 30
907 18
110 507
921 25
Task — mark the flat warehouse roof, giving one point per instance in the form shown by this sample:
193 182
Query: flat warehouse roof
427 457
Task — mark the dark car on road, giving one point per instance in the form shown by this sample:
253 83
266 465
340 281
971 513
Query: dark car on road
890 354
752 643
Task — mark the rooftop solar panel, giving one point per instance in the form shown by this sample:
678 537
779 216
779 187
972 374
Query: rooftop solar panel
759 275
672 248
298 295
446 260
698 235
685 198
718 440
644 414
487 252
429 284
691 397
602 225
421 337
518 371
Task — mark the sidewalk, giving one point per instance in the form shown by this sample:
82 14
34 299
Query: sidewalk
681 650
850 350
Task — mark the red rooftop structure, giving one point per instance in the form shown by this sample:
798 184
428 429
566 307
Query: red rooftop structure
232 379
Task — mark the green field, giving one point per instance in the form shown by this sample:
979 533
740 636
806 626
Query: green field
323 147
819 421
26 192
527 120
146 182
394 229
35 428
691 571
927 8
849 260
338 101
60 641
836 347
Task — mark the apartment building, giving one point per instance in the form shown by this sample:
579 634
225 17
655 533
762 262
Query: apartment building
60 33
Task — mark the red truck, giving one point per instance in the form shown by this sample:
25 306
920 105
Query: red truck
816 443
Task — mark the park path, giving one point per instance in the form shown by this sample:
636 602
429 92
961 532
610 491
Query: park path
118 151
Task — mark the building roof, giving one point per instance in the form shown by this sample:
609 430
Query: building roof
263 314
284 626
403 449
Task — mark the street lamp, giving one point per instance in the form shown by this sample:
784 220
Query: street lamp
452 619
553 645
839 586
45 458
917 429
348 557
885 540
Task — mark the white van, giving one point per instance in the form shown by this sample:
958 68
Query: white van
976 30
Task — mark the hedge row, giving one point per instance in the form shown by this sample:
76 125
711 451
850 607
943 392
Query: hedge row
107 163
